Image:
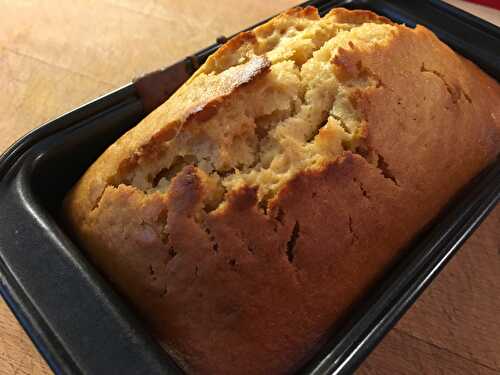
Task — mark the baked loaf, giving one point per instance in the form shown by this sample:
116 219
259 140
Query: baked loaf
246 215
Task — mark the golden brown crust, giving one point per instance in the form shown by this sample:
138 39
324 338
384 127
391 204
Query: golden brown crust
200 102
242 289
357 16
254 68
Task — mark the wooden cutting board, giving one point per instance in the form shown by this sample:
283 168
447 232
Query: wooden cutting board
55 55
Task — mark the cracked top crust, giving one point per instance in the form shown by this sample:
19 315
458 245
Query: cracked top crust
246 215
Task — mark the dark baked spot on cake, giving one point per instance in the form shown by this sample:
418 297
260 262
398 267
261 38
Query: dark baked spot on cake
361 187
384 168
292 242
250 249
262 204
467 97
232 262
354 236
211 236
172 252
280 215
277 216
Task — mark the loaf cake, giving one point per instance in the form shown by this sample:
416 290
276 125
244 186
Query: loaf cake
246 215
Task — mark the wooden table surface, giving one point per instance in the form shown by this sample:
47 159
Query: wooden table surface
55 55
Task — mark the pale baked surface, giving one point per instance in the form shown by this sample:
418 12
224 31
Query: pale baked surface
246 214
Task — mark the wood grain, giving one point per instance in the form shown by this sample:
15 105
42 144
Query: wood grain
56 55
465 319
457 317
399 353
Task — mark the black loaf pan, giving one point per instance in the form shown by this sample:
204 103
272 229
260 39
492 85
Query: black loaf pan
77 321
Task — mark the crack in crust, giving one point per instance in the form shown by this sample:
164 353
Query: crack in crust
455 91
354 236
363 190
278 131
273 140
283 131
292 242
